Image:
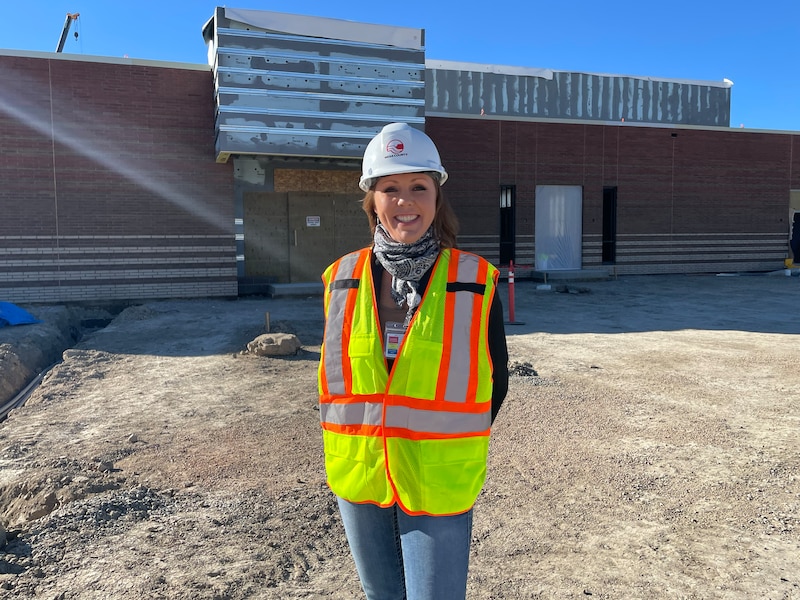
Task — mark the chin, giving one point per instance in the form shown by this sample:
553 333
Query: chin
408 238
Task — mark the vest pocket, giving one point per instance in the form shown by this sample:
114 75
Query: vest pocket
356 468
416 369
367 379
439 476
361 346
453 473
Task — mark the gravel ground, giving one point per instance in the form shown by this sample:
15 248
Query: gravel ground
649 448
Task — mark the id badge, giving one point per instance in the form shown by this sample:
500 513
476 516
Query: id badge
392 338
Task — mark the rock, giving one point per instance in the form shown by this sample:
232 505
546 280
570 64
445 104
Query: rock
2 536
565 289
45 507
274 344
524 369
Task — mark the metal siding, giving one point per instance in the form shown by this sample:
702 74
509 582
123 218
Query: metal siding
579 96
281 93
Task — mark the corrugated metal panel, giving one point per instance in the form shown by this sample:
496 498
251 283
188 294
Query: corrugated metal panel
466 88
280 92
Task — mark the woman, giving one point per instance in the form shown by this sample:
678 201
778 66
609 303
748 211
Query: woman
412 373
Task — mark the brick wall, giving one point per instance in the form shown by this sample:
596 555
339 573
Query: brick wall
110 188
110 185
688 200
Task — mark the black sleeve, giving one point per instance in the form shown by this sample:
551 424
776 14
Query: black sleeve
499 353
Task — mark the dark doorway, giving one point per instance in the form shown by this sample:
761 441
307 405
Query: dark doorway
794 242
610 224
507 224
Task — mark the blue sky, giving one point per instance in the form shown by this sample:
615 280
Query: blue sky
754 44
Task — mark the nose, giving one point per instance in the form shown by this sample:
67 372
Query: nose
403 196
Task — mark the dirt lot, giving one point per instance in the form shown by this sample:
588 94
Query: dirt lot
649 448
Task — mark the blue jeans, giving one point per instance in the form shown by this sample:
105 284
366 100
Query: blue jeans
400 557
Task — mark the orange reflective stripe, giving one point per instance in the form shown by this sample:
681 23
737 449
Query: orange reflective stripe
407 434
352 399
443 405
476 333
323 371
447 334
363 430
347 325
336 374
352 413
435 421
460 360
464 358
414 418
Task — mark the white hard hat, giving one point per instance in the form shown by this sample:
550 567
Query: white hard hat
399 148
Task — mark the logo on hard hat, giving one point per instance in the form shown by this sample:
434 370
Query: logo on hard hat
395 146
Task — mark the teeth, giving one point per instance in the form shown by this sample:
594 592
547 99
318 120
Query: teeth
406 218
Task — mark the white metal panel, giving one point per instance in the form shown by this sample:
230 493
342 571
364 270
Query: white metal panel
310 86
323 27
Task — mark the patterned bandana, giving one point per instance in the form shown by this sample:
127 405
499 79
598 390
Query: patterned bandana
406 263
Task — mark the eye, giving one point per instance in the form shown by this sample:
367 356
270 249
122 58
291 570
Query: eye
389 190
420 187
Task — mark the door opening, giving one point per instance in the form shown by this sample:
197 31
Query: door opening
559 227
610 224
507 224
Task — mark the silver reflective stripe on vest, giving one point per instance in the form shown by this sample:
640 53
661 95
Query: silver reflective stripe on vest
333 328
434 421
459 369
356 413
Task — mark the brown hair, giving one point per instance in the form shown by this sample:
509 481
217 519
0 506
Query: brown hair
445 222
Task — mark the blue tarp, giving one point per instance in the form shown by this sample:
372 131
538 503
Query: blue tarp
11 314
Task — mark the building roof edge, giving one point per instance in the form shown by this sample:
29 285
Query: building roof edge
450 65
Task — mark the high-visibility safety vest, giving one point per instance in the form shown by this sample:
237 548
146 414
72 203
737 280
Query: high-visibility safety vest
417 436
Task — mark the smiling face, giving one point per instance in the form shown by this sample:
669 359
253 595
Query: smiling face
406 205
